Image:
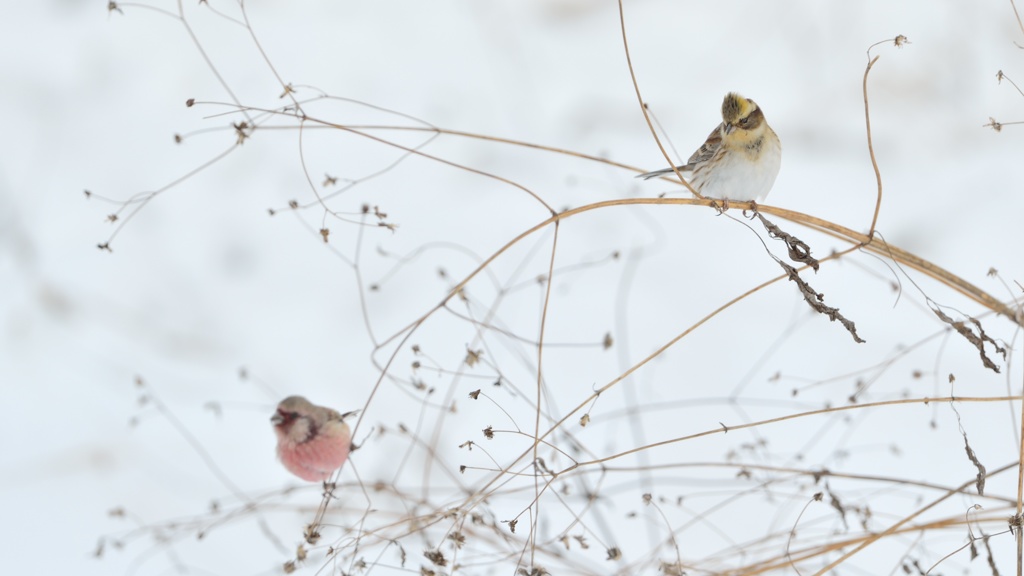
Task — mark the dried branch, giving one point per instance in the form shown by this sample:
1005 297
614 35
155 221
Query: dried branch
799 251
978 339
816 301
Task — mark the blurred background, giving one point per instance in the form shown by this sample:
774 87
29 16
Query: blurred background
140 379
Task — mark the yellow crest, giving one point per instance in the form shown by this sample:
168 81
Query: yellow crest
735 107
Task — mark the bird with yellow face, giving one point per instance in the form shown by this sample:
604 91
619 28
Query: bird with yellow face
739 160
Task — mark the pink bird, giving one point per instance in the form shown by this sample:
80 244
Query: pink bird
312 441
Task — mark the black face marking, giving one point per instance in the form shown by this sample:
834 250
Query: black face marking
287 423
283 418
313 430
753 121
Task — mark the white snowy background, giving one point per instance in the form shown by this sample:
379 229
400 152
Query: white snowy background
202 282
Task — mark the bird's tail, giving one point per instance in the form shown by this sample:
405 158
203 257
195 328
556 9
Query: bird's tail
661 172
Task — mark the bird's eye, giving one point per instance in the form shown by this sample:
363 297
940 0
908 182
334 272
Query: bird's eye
744 121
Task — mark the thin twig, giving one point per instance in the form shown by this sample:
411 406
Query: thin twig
1016 520
871 149
643 107
898 41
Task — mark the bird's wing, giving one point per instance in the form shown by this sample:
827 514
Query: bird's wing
330 414
708 148
703 154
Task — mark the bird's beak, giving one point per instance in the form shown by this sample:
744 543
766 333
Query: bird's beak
277 418
728 129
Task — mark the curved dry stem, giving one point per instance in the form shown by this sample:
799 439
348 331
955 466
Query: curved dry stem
796 415
871 147
869 242
880 247
643 106
861 241
873 245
